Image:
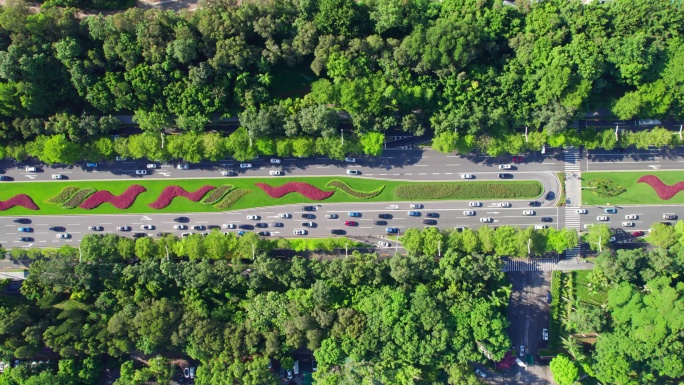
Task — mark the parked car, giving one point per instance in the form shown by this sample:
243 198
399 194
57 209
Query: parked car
392 230
151 165
140 172
581 211
57 176
545 334
31 169
275 161
331 216
124 228
518 159
610 210
548 297
521 352
284 215
506 176
91 164
147 227
528 212
300 232
469 213
192 372
632 216
275 172
352 172
612 239
253 217
245 165
638 234
162 234
416 206
354 214
350 160
186 372
474 204
467 176
182 166
480 373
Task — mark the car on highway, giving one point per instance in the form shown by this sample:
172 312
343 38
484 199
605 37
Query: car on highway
277 224
308 216
275 161
546 219
529 212
354 214
486 219
261 225
581 211
198 227
24 229
331 216
180 227
506 176
162 234
385 216
181 219
22 220
416 206
534 204
480 373
228 173
429 222
352 172
469 213
151 165
610 210
338 232
275 172
63 236
380 223
392 230
638 234
467 176
140 172
383 244
246 227
504 204
28 239
351 223
300 232
95 228
264 233
228 226
284 215
413 213
57 228
139 235
147 227
540 227
182 166
602 218
431 215
57 176
628 224
253 217
475 204
124 228
30 169
308 224
550 195
505 167
308 208
4 178
632 217
245 165
91 164
669 216
350 160
184 235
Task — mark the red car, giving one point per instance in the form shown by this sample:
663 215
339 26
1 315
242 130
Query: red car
638 234
518 159
350 223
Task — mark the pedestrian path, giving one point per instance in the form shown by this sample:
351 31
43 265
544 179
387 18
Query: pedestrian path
529 264
573 193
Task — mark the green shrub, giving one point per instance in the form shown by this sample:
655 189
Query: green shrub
231 198
78 198
469 190
338 184
216 194
64 194
556 320
605 187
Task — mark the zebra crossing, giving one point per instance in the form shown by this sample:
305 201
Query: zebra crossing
572 160
574 194
512 265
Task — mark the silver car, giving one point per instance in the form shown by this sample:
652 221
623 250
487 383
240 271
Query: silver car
469 213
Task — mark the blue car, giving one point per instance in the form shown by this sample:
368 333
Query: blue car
91 164
413 214
241 232
611 210
354 214
24 229
392 230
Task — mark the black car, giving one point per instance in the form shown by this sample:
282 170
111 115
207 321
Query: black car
385 216
277 224
139 235
506 176
57 228
25 239
198 227
308 208
546 219
212 227
264 233
548 296
22 220
246 227
550 195
432 215
261 225
162 234
181 219
380 223
308 216
338 232
667 223
535 204
429 222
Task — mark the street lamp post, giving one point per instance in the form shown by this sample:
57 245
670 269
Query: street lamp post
253 253
346 251
342 134
439 248
396 244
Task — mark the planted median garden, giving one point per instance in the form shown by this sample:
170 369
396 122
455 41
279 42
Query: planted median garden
654 187
212 195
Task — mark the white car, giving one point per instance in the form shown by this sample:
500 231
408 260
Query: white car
147 227
416 206
63 236
628 224
632 216
151 165
275 172
284 215
253 217
383 244
228 173
504 204
521 353
300 232
602 218
352 172
124 228
140 172
31 169
228 226
180 227
275 161
545 334
350 160
475 204
505 166
467 176
540 227
245 165
57 176
469 213
669 216
612 239
581 211
183 166
487 219
529 212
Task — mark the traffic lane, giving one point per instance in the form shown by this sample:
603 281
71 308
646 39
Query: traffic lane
633 159
647 215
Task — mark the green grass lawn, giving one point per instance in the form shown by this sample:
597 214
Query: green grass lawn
584 291
41 191
637 193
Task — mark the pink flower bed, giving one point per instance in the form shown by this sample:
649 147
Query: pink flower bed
122 201
22 200
664 191
171 192
305 189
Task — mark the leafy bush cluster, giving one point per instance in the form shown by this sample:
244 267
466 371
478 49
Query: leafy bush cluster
79 197
216 194
469 190
308 190
170 192
22 200
605 187
122 201
231 198
64 194
342 186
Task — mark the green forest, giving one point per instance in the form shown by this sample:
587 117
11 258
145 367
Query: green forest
476 70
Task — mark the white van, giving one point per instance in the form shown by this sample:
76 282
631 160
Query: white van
296 367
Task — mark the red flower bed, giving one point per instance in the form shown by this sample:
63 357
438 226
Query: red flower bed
309 191
171 192
122 201
22 200
664 191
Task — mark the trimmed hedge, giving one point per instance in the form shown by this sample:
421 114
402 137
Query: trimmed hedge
469 190
338 184
78 198
605 187
64 194
216 194
232 197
